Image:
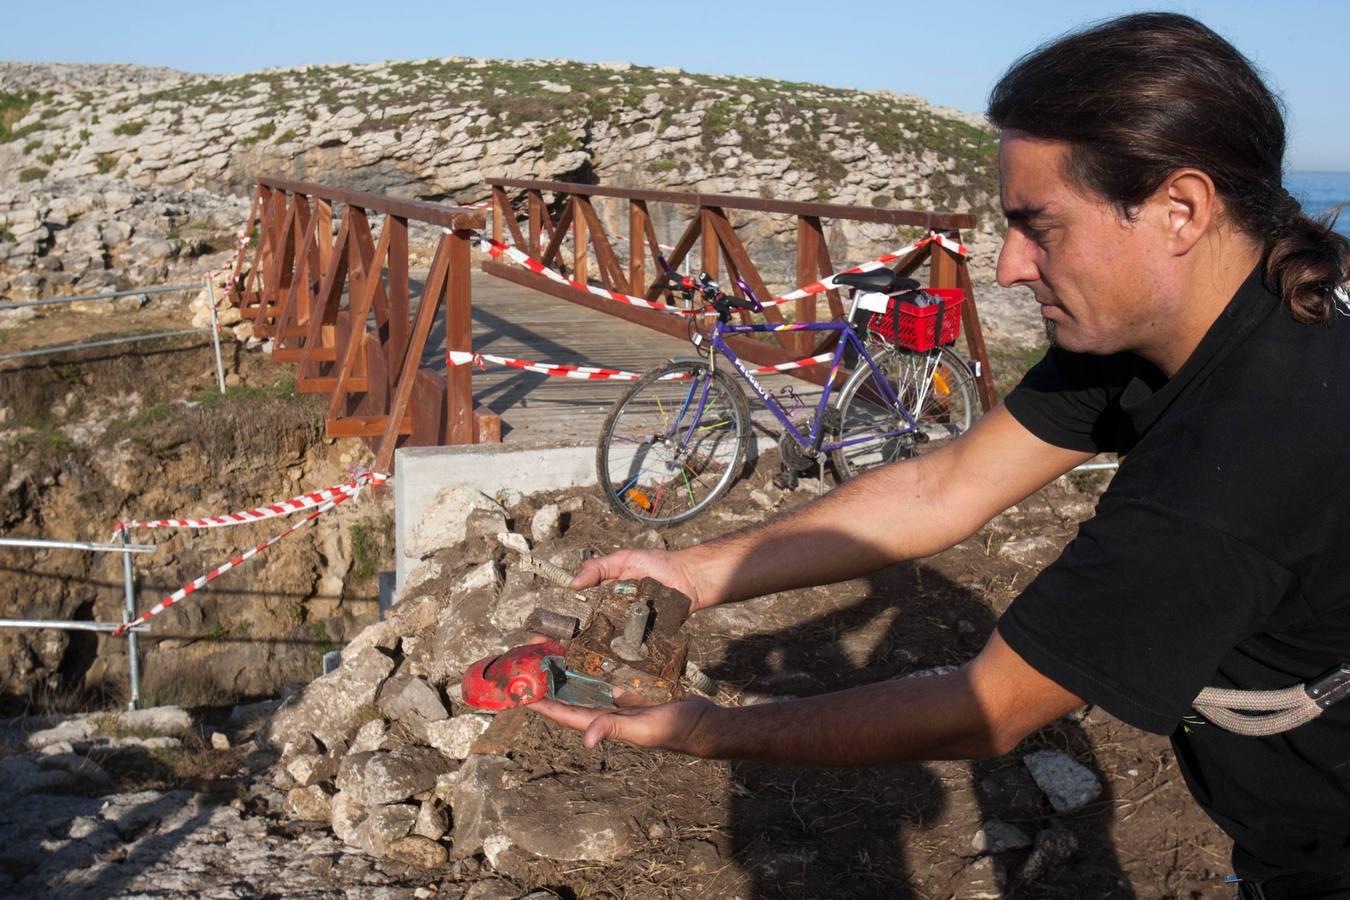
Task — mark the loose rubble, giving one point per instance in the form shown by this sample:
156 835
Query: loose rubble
369 783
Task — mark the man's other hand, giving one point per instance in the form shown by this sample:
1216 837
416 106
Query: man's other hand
677 726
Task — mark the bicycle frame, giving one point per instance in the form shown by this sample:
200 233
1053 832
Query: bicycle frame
847 339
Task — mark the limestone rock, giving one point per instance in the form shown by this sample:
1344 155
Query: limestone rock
389 776
473 797
411 701
68 731
310 804
547 524
347 816
995 837
311 768
384 825
432 822
1067 784
327 709
454 737
417 850
372 736
463 634
445 521
542 817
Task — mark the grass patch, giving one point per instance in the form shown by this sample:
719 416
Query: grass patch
185 687
13 107
557 141
106 163
113 726
32 173
130 129
265 131
7 236
370 546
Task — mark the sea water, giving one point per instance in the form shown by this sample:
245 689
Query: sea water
1321 192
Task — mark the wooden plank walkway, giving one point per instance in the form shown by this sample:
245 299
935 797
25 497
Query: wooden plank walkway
516 322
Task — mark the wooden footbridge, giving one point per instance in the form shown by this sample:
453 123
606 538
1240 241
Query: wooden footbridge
372 334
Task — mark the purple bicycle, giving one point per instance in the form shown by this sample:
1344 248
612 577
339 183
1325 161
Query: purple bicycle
676 440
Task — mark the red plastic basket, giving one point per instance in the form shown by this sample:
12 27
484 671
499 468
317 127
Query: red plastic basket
918 324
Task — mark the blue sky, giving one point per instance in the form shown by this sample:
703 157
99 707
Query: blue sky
949 52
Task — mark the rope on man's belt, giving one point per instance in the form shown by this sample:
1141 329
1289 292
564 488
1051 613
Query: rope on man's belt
1263 713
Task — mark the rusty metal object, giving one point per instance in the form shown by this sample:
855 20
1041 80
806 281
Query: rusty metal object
654 677
552 624
628 645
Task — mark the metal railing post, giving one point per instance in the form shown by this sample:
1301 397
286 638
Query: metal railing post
215 333
129 613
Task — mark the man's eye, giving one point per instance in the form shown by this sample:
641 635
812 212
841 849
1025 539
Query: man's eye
1038 235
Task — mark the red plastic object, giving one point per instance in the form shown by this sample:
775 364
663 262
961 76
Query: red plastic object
918 324
515 678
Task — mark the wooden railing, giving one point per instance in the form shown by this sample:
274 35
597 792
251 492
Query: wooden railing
546 233
366 354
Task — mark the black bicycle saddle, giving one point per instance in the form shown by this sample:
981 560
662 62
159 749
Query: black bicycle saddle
882 281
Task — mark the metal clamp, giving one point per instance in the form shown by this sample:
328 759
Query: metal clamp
1332 687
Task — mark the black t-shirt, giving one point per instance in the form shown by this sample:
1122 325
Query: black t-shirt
1219 556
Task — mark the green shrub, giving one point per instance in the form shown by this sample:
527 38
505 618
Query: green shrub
33 173
106 162
130 129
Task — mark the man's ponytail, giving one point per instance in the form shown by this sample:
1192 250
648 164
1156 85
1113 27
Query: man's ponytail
1306 263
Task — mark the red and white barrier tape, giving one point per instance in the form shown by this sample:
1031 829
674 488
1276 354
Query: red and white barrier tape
828 283
215 573
497 248
337 492
243 240
595 373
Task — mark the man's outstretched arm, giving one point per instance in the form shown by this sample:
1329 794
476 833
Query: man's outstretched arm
900 511
983 709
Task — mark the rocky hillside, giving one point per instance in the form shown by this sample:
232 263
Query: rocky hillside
435 129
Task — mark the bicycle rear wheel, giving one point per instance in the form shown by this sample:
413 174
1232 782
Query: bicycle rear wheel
673 443
938 390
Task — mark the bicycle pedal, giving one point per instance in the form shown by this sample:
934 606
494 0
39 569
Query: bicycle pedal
785 481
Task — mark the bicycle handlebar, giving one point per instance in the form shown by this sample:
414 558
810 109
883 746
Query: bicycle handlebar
712 292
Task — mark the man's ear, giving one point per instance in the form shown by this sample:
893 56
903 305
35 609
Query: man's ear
1190 206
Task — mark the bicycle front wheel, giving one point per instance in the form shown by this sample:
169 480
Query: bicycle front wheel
938 390
673 443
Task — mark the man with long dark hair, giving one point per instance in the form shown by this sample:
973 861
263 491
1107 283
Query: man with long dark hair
1191 307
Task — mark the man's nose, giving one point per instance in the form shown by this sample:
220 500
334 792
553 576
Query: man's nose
1015 265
